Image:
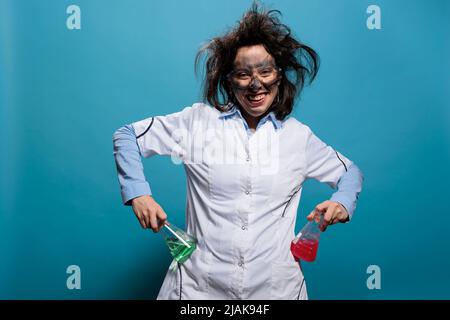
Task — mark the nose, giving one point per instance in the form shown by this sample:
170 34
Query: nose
255 84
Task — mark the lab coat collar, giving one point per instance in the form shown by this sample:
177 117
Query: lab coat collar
234 111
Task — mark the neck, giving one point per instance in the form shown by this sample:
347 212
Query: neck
252 121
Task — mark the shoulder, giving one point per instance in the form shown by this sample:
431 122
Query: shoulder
201 109
204 114
293 125
184 117
198 111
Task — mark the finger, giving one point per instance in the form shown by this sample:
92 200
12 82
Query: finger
345 217
311 216
322 207
162 218
153 222
141 220
318 212
332 221
146 218
342 214
141 216
328 216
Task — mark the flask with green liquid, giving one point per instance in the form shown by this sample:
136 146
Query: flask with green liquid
180 244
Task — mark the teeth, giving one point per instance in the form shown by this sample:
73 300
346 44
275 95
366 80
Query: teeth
256 98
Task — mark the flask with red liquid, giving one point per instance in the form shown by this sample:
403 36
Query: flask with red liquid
305 244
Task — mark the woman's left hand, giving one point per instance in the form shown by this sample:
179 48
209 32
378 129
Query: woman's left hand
333 212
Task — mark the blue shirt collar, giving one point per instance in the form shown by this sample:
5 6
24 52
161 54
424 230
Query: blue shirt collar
234 111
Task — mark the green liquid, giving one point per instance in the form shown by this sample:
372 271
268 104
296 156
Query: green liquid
179 251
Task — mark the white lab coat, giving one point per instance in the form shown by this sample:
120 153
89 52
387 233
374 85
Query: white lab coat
243 193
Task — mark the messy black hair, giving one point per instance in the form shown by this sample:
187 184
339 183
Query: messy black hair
298 62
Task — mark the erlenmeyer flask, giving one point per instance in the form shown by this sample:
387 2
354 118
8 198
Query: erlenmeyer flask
305 244
180 244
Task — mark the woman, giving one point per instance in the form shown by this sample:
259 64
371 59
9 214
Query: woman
245 161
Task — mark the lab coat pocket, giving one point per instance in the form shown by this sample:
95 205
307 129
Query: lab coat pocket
287 282
194 276
287 203
286 189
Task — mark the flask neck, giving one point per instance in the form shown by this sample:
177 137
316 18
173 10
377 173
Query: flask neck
312 228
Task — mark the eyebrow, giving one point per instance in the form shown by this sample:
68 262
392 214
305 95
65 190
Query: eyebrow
268 60
264 63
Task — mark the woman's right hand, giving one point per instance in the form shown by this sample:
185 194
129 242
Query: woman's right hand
149 212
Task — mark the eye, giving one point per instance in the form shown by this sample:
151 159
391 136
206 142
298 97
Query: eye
266 72
242 75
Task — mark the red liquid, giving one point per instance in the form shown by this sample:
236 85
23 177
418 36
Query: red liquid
305 249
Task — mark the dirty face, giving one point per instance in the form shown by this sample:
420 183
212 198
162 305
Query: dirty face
254 80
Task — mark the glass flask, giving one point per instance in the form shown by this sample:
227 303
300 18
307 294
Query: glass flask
306 242
180 244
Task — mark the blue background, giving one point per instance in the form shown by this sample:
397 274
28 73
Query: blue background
381 98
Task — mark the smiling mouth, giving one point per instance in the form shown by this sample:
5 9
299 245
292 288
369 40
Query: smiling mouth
256 97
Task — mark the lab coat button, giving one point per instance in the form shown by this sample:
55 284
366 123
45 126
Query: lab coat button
243 228
247 192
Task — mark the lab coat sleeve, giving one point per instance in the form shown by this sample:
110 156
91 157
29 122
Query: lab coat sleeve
166 135
323 163
129 167
349 188
163 135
